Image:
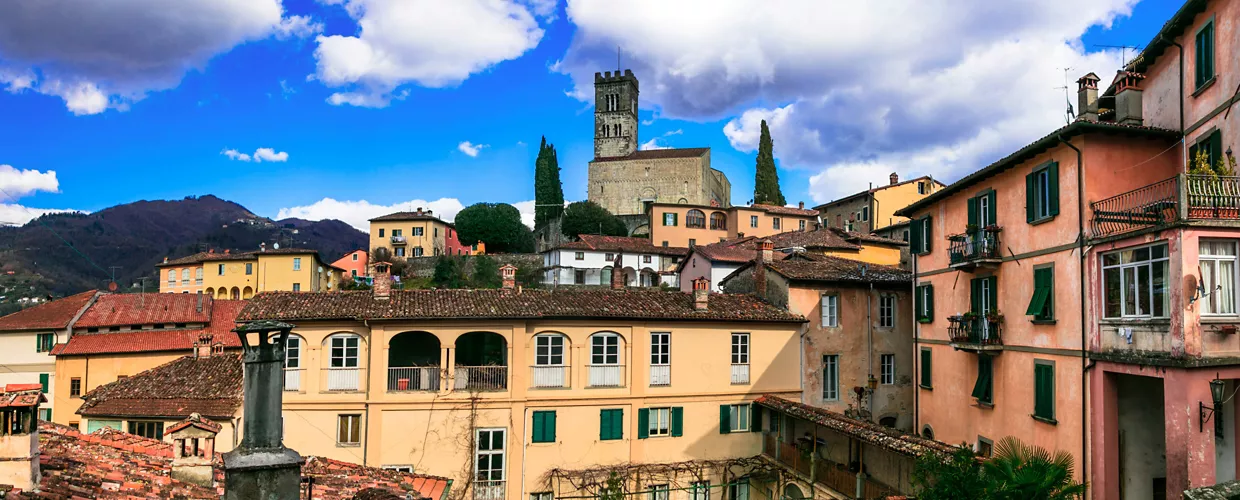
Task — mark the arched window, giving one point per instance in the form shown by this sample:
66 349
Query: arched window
605 276
343 356
185 276
236 293
413 362
718 220
550 360
198 276
605 367
172 276
695 218
247 292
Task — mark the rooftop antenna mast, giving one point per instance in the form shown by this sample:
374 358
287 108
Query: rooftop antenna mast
1069 114
1123 51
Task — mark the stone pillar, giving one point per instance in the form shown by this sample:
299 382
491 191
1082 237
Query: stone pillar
262 468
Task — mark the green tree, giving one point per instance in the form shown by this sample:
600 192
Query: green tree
486 273
529 276
587 217
498 225
766 179
449 272
614 489
1020 471
954 477
548 190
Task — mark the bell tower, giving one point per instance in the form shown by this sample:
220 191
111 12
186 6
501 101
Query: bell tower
615 114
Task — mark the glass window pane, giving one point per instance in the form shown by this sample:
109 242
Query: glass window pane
1143 290
1159 251
1130 291
1141 254
1110 259
1161 293
1226 295
1111 285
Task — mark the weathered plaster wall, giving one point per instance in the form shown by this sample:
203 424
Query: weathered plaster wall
1142 442
620 186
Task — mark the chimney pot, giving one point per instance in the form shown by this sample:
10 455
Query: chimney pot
165 259
210 250
801 205
1087 98
508 274
701 294
895 178
617 272
383 281
227 251
1128 98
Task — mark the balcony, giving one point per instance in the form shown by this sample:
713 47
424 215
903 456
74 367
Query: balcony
341 379
971 332
660 375
413 379
481 378
398 240
606 375
975 247
549 377
488 490
740 374
1185 197
292 379
801 458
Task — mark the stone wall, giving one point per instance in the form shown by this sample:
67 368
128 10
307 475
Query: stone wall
621 186
839 213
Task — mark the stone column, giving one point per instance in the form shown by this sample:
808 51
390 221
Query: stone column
262 468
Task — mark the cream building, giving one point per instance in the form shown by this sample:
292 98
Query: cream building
516 393
228 275
27 338
684 225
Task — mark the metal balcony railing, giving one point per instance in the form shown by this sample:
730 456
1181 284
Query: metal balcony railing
971 329
1213 197
343 379
413 378
292 379
980 245
606 375
740 373
398 240
488 490
660 374
549 376
1151 205
481 378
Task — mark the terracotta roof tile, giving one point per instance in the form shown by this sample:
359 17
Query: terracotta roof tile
776 209
507 304
659 154
410 216
621 244
222 321
53 315
122 309
336 479
209 386
838 269
877 435
21 395
220 256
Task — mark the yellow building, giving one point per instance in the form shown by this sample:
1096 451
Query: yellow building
516 393
679 225
418 234
873 209
229 275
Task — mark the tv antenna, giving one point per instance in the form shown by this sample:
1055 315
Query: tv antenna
1123 52
1069 113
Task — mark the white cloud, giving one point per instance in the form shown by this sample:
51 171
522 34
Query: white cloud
851 89
424 42
11 214
359 213
471 149
260 155
527 211
21 183
101 55
655 143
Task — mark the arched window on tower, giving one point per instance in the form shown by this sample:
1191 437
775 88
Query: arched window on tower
617 130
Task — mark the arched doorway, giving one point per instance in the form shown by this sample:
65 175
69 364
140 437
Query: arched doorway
247 292
481 362
793 492
413 362
648 277
236 293
210 292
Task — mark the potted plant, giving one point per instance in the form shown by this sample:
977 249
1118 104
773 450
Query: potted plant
994 317
970 228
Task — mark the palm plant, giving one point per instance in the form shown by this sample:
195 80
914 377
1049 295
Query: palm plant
1024 471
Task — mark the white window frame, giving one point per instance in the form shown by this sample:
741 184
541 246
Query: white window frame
660 348
738 490
417 231
830 307
479 452
775 222
1041 194
418 252
398 468
926 296
802 225
887 369
659 421
344 421
185 276
753 221
542 495
646 259
738 417
296 263
740 348
600 345
831 377
172 276
355 257
1136 266
545 346
886 310
339 355
1213 299
292 352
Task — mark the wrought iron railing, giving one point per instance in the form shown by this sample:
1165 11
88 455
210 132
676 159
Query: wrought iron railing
605 375
740 373
979 244
550 377
481 378
488 490
1151 205
413 378
342 379
975 329
1213 197
398 240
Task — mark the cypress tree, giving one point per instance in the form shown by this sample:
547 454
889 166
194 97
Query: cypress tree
548 192
766 179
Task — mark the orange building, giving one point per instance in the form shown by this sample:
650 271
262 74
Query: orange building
679 225
353 264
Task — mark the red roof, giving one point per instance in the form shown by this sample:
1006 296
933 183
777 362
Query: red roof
119 309
776 209
200 422
53 315
208 386
22 396
621 244
222 321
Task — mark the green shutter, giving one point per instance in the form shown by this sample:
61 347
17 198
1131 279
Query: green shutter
928 221
993 215
675 219
994 293
43 381
1030 197
975 295
1044 391
611 425
929 303
917 303
1200 53
1216 147
914 237
1043 292
643 423
537 428
725 424
926 359
617 423
678 421
1052 186
543 427
972 207
549 427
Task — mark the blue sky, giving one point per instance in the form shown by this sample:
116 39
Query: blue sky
161 96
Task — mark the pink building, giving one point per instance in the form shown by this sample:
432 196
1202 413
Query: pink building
353 264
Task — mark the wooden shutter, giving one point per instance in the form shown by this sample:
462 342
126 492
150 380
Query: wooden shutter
643 423
917 303
1052 186
972 206
994 294
725 424
43 381
617 424
975 295
1030 197
929 302
1044 391
537 426
678 420
1199 67
914 237
993 211
926 369
604 425
929 234
549 427
1216 147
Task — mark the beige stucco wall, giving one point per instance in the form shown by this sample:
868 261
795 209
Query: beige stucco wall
18 469
621 186
178 285
268 273
739 223
227 439
97 370
432 242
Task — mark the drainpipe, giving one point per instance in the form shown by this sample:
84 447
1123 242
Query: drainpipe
916 349
525 444
1183 150
869 310
1080 246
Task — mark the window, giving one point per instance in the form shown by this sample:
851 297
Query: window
579 256
1204 67
1135 283
699 490
1211 145
579 276
865 214
344 350
848 226
830 311
611 424
802 226
738 490
172 276
695 218
249 268
775 222
45 414
924 303
660 348
417 251
831 377
45 380
348 430
718 220
922 235
1042 304
152 430
926 358
1042 193
44 342
983 389
489 450
355 260
734 418
353 272
886 311
692 242
542 495
544 427
549 350
185 276
198 276
1044 389
1218 277
646 259
396 233
887 369
657 422
609 257
417 231
398 468
75 387
399 251
985 447
605 349
296 287
220 271
740 348
657 492
753 221
669 218
380 232
296 263
921 187
906 235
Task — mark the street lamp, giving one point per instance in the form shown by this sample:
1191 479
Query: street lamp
1206 412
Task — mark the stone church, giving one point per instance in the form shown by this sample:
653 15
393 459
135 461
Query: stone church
625 180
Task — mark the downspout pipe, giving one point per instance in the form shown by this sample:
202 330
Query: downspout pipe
1183 149
1080 247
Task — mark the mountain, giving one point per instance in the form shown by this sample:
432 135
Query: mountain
72 252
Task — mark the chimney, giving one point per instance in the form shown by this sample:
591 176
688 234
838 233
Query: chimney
801 205
261 467
1087 98
383 281
1128 98
508 273
701 294
766 251
227 251
193 448
895 178
198 307
19 436
617 272
202 348
165 259
210 250
419 210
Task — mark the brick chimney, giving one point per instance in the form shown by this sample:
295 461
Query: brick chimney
19 436
228 251
193 447
895 178
766 252
508 273
801 205
1128 98
202 347
419 210
383 281
1087 98
701 294
617 272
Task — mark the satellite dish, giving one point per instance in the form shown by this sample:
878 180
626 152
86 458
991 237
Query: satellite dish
112 286
275 246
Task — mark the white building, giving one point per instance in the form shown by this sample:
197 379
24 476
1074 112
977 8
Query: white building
27 338
591 262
